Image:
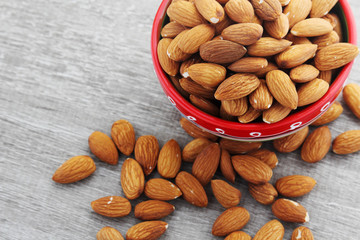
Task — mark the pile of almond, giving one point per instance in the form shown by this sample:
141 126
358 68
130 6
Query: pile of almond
240 59
207 154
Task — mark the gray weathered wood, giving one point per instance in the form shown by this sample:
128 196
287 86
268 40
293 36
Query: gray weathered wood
68 68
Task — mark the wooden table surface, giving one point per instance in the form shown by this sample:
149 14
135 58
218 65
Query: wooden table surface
68 68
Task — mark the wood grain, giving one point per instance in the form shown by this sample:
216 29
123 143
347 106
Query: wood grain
68 68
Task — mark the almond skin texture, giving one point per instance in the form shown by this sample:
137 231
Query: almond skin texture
226 166
185 13
192 40
335 56
297 40
167 64
321 7
231 220
237 147
219 27
103 148
265 156
149 230
282 88
109 233
191 87
267 46
172 29
302 233
292 142
174 52
132 179
187 63
147 152
211 10
268 10
193 148
326 40
74 169
243 33
263 193
277 28
205 105
112 206
304 73
296 55
312 91
289 211
250 115
261 98
238 235
195 131
297 10
311 27
123 135
316 145
272 230
347 142
240 10
153 210
326 76
206 163
227 195
248 65
330 115
351 95
237 86
262 73
193 191
221 52
251 169
295 185
275 113
176 82
161 189
236 107
169 161
207 74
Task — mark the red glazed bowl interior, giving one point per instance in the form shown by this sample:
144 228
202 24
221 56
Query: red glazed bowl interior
253 131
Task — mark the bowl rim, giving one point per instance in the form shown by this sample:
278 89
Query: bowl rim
304 113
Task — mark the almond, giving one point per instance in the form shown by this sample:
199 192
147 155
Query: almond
250 115
243 33
123 135
226 166
236 107
237 147
207 74
321 7
147 152
206 163
227 195
268 10
196 89
351 95
174 52
172 29
231 220
295 185
311 27
282 88
296 55
330 17
302 233
153 210
219 27
211 10
238 235
221 52
330 115
335 56
292 142
316 145
240 10
193 191
297 10
237 86
185 13
176 82
109 233
297 40
187 63
265 156
289 211
169 161
168 65
248 65
275 113
261 98
304 73
195 37
312 91
132 179
161 189
277 28
149 230
272 230
336 23
326 40
284 2
112 206
262 73
205 105
195 131
347 142
267 46
103 148
251 169
193 148
74 169
326 76
263 193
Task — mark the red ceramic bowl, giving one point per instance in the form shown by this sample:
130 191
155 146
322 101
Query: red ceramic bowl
254 131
